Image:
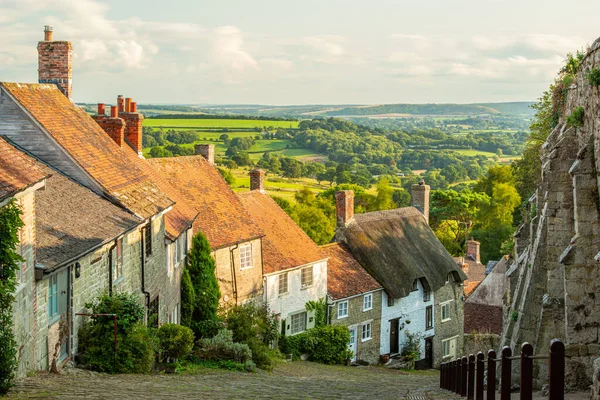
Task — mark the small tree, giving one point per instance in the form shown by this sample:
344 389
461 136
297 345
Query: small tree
201 267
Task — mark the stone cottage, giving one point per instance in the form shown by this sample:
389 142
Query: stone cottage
295 271
354 301
422 284
471 265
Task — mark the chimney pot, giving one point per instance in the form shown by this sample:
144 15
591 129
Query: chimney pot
113 112
207 151
257 180
121 103
48 29
133 106
472 249
344 206
101 109
128 104
419 194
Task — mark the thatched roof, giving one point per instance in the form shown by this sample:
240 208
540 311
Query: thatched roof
398 246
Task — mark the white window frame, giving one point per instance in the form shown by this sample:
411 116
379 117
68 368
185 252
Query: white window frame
368 302
302 313
367 332
281 278
446 347
304 281
342 309
20 250
176 253
246 256
117 261
52 297
169 259
445 315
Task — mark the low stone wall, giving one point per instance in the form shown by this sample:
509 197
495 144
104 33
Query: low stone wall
476 342
596 377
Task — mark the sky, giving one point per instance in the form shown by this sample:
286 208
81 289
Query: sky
284 52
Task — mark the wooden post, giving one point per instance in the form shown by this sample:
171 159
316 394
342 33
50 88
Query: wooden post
457 375
491 376
442 376
471 383
505 374
463 381
556 374
479 378
526 381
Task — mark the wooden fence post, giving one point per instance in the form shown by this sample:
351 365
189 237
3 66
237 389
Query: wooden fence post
505 374
458 375
526 381
463 381
442 376
556 374
479 379
491 376
471 384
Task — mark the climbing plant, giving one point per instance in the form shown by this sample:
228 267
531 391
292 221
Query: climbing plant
10 223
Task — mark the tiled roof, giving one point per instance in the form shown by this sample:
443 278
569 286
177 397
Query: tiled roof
17 171
285 244
221 216
71 221
476 270
345 276
118 170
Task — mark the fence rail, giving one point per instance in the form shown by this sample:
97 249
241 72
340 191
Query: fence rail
465 376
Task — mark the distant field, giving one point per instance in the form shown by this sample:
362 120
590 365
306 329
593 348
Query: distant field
217 123
275 185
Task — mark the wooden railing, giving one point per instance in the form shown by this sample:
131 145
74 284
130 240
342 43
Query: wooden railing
465 376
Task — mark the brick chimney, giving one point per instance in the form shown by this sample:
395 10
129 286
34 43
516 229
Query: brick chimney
344 206
473 249
133 123
419 194
257 180
55 62
207 151
113 125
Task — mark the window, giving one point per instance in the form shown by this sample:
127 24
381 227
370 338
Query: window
169 259
307 277
22 264
298 323
176 252
148 238
342 309
153 310
426 296
415 287
53 296
390 301
182 246
429 317
117 260
366 332
246 256
368 302
174 317
446 311
449 347
283 283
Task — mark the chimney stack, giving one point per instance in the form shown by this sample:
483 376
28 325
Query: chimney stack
101 109
419 194
344 206
55 63
257 180
208 151
133 123
113 125
472 249
121 103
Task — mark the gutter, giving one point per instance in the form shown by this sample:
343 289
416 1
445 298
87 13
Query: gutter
143 267
232 263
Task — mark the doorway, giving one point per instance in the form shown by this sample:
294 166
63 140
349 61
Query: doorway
352 343
394 328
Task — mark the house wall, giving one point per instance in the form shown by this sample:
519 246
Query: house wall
367 350
455 327
296 298
24 326
246 284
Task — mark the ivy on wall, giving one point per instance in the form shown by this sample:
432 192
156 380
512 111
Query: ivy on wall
10 224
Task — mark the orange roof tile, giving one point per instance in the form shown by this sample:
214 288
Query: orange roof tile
221 216
345 276
285 244
17 171
118 170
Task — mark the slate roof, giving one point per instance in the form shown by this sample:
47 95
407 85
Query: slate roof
285 244
71 221
120 171
17 170
220 214
491 290
398 246
345 276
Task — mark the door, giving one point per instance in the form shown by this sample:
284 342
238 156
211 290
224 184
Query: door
452 344
63 307
428 353
394 328
352 343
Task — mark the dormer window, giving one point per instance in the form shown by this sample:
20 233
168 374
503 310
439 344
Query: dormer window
415 286
246 256
306 277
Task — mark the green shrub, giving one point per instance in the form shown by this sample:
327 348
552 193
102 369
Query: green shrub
192 364
576 117
175 341
412 347
221 347
514 315
320 309
188 298
127 306
326 344
594 76
206 329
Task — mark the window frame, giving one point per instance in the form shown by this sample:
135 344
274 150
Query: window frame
367 332
303 281
368 296
169 260
117 261
446 346
245 254
443 306
285 278
301 313
342 305
21 250
426 296
429 317
148 239
415 286
53 311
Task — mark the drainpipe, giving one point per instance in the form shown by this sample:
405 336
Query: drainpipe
232 263
110 265
143 264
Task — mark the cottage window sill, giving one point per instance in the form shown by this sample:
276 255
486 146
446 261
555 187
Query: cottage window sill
366 340
285 294
118 280
53 320
447 319
342 316
429 328
306 287
367 309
